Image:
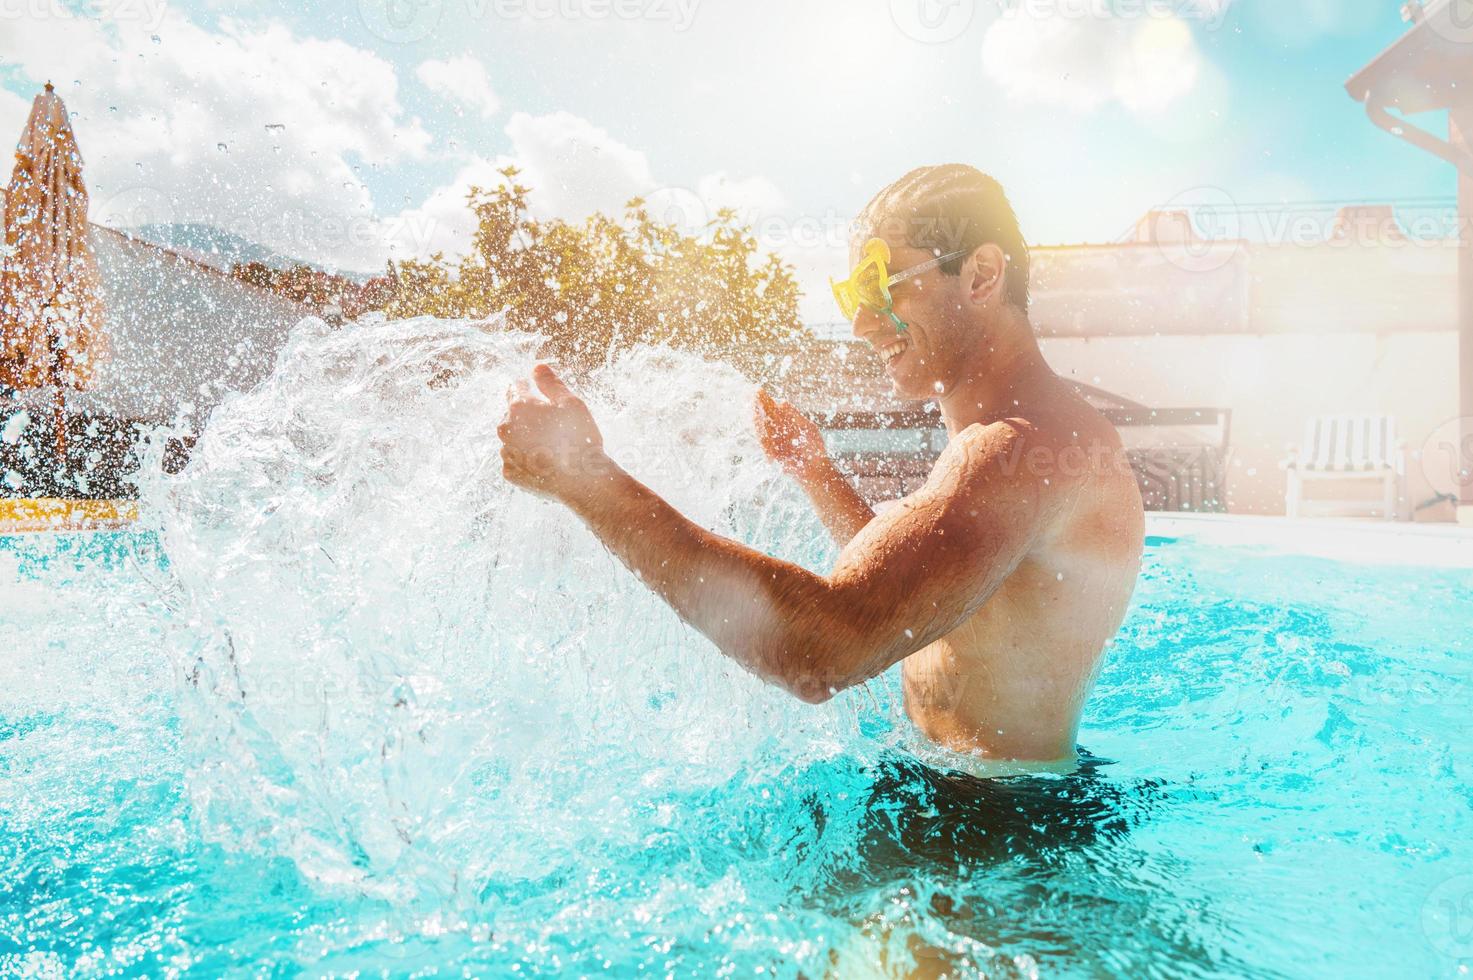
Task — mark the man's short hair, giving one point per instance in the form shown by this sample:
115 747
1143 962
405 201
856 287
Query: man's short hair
950 208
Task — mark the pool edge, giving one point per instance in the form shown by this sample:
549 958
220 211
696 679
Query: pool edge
30 515
1367 541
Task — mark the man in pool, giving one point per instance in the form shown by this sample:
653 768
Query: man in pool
996 586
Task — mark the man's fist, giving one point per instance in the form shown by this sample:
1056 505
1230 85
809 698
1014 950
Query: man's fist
788 437
550 445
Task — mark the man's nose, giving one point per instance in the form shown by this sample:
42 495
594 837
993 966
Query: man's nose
867 323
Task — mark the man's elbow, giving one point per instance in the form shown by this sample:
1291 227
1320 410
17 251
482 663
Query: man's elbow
819 683
812 691
819 660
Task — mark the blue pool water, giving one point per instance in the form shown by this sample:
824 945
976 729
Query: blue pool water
1290 763
346 705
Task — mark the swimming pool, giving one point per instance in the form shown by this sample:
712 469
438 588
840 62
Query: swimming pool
1289 735
347 707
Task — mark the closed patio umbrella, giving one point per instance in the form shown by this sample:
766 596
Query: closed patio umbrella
51 320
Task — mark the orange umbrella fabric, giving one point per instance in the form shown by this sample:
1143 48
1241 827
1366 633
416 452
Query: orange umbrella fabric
51 319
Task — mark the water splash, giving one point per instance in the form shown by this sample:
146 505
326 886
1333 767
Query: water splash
414 680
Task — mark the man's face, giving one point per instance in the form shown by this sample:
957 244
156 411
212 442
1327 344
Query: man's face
932 306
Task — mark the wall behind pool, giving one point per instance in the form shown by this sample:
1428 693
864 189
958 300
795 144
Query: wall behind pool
1273 384
1278 331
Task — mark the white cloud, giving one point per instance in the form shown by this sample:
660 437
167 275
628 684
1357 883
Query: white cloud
301 120
573 168
462 81
815 262
444 222
1082 55
249 128
14 111
752 198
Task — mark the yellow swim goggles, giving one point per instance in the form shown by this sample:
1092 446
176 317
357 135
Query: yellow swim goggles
869 284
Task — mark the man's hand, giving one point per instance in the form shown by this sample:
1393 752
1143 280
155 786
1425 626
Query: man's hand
789 438
551 447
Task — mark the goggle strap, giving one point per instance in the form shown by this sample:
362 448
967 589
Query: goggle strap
924 267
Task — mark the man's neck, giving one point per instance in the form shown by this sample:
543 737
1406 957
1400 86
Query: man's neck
994 383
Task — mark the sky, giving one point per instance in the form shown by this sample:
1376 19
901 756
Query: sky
348 133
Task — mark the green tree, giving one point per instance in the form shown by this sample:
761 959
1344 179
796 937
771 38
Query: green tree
603 285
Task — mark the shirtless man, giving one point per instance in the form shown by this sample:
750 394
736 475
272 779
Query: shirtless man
996 586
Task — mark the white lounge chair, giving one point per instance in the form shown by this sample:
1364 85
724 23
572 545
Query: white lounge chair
1354 450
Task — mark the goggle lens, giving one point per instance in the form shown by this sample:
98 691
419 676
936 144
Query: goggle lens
868 285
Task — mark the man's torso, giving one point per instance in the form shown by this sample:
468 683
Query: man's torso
1011 681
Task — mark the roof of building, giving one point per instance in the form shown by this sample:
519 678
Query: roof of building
1421 70
180 332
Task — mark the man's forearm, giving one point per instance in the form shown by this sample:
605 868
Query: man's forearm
767 614
840 507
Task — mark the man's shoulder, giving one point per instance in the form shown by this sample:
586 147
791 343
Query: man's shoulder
994 467
1033 464
1030 447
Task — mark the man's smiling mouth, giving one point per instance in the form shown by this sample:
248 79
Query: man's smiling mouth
894 349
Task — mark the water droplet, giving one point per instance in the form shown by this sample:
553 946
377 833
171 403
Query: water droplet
156 39
222 147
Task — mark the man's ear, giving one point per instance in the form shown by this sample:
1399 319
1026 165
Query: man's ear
988 271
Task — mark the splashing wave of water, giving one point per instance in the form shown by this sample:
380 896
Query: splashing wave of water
413 679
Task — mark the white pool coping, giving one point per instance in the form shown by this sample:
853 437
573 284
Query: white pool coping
1361 541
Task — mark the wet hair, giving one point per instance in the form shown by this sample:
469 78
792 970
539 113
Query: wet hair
951 208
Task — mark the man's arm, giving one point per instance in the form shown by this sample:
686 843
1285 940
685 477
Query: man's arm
910 577
796 444
843 511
